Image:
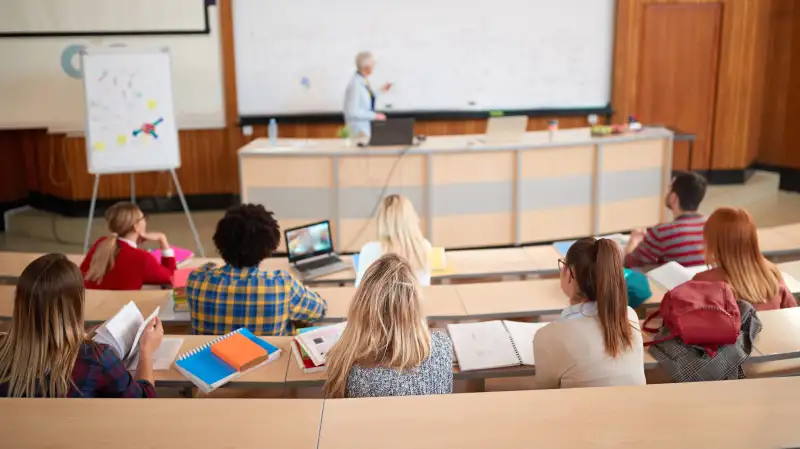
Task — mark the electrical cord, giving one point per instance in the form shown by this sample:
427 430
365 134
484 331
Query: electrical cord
380 197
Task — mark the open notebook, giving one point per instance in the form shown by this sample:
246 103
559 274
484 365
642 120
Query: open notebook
123 331
673 274
493 344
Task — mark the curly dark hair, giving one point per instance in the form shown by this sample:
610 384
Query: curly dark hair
246 235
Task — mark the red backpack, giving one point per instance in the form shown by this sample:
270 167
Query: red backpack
699 313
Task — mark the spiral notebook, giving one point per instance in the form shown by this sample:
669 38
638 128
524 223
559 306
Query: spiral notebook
208 372
493 344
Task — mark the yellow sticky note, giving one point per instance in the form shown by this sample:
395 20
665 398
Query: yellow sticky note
437 259
99 146
151 104
122 139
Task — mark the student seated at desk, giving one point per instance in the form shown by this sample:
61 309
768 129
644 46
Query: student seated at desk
682 239
239 294
398 232
386 348
731 242
597 341
116 262
46 353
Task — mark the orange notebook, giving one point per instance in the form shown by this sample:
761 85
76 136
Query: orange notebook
239 352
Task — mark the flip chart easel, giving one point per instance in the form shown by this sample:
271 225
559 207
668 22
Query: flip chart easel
130 120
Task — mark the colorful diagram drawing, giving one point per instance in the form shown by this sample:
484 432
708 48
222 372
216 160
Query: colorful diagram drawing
148 128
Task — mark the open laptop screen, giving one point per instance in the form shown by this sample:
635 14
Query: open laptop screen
308 241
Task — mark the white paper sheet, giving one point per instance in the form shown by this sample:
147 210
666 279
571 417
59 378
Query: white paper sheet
670 275
166 353
482 345
522 334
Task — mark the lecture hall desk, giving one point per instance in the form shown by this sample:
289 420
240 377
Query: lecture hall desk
743 414
467 193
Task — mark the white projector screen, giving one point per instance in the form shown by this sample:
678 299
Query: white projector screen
296 58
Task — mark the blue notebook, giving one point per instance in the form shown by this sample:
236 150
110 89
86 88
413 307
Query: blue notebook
208 372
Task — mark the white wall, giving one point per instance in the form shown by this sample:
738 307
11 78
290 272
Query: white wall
35 90
54 16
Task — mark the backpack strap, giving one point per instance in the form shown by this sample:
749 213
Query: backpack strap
652 316
659 340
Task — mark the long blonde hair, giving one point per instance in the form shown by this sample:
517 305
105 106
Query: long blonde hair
731 243
386 326
121 219
399 233
39 352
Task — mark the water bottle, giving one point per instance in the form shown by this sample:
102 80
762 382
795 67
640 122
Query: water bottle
272 132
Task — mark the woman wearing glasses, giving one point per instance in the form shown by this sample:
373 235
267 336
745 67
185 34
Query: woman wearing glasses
597 341
116 262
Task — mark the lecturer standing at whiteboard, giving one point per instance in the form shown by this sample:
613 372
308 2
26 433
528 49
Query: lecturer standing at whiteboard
359 101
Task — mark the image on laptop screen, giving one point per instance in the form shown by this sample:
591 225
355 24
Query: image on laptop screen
309 240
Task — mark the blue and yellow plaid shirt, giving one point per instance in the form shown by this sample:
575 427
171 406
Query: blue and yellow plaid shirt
223 299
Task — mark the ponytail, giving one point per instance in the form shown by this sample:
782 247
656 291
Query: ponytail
611 297
102 259
597 268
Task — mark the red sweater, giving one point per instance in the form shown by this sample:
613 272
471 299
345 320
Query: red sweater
133 268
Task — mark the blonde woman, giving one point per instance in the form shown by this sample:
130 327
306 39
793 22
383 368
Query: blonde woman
731 242
399 233
46 353
386 348
115 262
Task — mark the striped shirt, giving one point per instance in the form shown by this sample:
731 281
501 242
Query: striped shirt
680 241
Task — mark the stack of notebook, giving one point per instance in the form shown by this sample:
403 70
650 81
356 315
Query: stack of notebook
312 344
179 280
219 361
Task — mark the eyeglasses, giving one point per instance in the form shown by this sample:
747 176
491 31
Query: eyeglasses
562 265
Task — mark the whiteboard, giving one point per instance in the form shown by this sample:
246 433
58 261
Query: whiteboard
130 121
42 88
297 57
70 16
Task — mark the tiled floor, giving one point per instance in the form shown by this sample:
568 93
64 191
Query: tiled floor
38 231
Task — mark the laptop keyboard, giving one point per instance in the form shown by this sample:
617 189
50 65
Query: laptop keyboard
318 263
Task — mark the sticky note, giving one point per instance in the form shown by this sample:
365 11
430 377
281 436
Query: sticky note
151 104
122 140
99 146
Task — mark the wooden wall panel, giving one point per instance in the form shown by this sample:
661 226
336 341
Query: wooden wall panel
739 85
780 55
678 72
791 157
14 171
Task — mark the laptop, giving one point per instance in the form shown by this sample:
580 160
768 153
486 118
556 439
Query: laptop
505 129
310 250
392 132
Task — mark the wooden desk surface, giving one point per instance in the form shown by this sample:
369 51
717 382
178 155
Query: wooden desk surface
780 336
779 239
155 423
13 263
99 305
271 374
756 413
440 302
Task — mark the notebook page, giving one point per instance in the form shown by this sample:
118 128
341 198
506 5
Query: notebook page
482 345
318 342
670 275
135 345
166 353
791 283
124 325
523 334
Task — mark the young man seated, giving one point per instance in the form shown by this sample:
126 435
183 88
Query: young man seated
682 239
238 294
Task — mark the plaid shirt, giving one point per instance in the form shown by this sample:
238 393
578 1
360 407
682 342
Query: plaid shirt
99 373
223 299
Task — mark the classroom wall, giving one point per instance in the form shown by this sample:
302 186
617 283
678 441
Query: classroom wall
722 44
780 136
